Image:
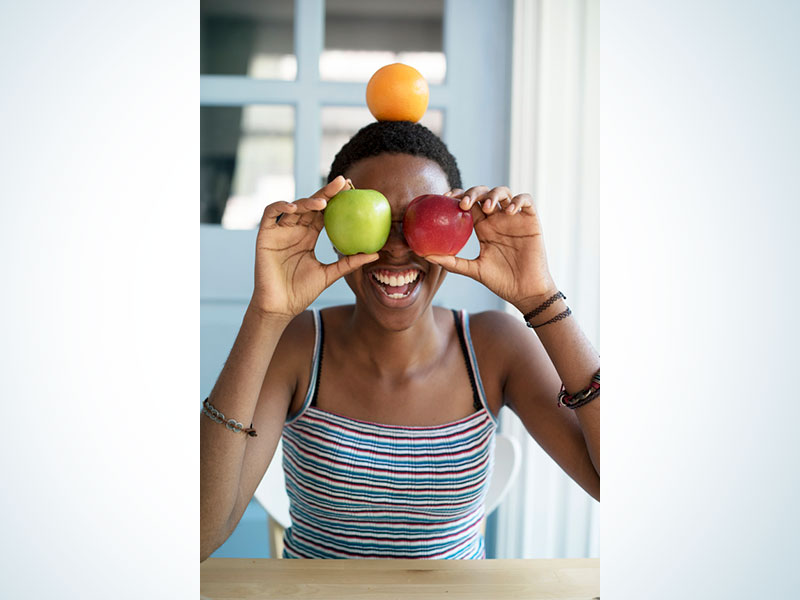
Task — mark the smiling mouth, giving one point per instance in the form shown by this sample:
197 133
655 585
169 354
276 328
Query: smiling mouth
396 284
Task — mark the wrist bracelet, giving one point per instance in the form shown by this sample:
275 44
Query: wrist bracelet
232 424
583 397
558 317
547 303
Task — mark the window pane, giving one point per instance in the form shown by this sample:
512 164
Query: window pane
340 123
361 36
248 37
246 162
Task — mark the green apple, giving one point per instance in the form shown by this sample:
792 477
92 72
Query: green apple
358 221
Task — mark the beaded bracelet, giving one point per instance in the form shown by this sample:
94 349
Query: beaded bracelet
583 397
232 424
547 303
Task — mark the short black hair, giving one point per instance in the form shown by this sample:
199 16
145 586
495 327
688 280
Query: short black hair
396 137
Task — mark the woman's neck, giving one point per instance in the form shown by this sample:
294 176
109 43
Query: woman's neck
394 354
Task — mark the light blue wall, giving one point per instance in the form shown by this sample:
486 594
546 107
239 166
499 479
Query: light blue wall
249 539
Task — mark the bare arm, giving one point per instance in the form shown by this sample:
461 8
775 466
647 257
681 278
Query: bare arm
576 361
222 452
259 377
513 264
530 386
570 437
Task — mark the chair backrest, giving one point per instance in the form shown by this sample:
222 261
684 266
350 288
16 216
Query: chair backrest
271 492
507 458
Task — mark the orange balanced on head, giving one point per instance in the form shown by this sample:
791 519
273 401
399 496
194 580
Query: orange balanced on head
397 92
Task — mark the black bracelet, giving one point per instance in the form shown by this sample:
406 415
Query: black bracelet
558 317
546 304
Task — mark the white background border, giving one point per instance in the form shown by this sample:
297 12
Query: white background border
99 343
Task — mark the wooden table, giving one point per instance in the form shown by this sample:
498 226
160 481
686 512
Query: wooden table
556 579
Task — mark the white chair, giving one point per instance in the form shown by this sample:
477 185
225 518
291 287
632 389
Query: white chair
271 492
271 495
507 459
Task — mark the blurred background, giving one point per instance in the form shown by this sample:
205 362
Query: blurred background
513 93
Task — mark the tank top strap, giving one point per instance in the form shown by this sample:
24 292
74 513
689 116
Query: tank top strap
462 324
316 358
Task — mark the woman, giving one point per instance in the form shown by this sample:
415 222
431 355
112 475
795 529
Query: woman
388 407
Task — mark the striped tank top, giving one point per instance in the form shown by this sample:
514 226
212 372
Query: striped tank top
367 490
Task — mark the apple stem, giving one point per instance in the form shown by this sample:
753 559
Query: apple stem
350 183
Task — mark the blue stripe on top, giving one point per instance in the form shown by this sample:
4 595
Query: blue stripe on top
359 489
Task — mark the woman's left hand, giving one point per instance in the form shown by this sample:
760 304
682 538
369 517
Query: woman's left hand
512 262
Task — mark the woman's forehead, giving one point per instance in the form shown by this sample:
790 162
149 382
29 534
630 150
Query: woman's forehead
399 177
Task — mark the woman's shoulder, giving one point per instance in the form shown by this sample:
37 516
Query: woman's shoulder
296 341
300 330
495 327
299 338
501 340
294 354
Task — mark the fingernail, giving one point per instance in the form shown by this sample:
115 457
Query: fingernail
511 208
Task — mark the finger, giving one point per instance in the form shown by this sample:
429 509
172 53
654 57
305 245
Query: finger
487 205
497 198
455 264
500 196
454 193
521 202
331 189
477 214
275 210
315 203
308 209
472 195
288 219
306 212
484 198
346 265
314 218
302 207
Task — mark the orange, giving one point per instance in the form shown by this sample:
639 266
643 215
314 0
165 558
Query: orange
397 92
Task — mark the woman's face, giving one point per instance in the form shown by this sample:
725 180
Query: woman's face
397 288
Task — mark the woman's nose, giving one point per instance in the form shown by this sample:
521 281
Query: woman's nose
396 240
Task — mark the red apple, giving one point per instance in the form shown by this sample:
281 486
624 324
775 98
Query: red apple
435 224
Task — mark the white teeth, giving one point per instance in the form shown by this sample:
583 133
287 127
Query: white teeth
397 279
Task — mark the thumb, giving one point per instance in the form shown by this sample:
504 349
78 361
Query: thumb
346 265
455 264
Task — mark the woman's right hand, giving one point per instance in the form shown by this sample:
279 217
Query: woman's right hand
288 275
